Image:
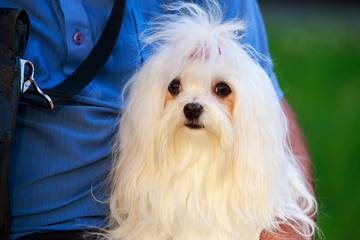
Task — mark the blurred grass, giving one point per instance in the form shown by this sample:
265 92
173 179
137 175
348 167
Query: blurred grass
316 55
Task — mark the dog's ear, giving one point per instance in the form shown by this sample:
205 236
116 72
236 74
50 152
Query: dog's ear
262 152
140 117
135 139
259 134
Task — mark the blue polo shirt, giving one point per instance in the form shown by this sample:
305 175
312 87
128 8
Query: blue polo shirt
60 158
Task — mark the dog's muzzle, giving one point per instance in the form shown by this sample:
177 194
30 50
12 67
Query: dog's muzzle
192 112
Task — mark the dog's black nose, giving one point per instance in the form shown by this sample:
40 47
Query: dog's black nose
192 111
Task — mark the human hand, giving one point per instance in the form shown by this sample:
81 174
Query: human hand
287 233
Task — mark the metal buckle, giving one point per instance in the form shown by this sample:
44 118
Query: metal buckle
28 79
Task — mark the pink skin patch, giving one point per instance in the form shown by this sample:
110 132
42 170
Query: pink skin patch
198 52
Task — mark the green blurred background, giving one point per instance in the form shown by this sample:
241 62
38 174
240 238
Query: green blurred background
316 54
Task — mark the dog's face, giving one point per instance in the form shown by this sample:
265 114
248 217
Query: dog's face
200 98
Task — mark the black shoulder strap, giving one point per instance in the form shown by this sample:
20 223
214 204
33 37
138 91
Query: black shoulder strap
88 70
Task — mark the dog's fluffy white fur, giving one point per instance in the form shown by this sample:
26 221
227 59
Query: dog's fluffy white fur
232 177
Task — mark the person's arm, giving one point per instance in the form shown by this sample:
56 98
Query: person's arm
300 150
298 145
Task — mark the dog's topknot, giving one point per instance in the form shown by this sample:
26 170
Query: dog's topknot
189 27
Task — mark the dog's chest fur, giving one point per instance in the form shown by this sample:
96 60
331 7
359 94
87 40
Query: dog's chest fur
192 198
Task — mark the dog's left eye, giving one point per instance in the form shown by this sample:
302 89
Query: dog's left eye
222 89
175 87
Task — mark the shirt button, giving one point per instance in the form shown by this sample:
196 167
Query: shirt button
78 38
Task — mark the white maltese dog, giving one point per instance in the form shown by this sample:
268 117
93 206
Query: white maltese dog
203 149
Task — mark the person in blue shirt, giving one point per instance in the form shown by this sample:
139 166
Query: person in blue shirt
60 158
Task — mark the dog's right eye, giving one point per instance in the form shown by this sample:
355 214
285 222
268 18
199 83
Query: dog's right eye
174 87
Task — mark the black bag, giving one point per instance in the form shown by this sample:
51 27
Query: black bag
14 33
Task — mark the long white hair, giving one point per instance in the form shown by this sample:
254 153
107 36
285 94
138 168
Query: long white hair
231 180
